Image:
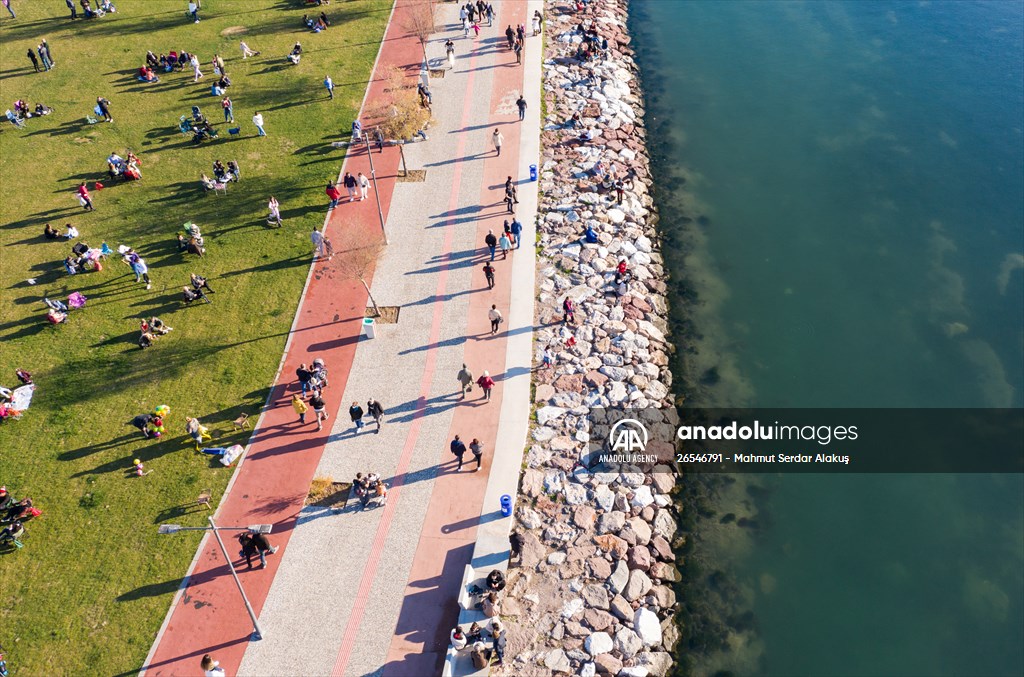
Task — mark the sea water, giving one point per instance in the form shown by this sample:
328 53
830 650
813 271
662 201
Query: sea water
842 191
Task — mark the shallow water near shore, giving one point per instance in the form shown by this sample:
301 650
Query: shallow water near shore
841 192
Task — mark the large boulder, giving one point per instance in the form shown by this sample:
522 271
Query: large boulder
638 586
598 643
647 626
628 643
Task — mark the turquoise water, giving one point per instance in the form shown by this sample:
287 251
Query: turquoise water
859 167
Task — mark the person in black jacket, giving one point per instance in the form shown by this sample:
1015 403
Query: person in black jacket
374 409
255 544
355 412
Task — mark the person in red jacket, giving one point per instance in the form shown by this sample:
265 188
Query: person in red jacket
486 383
83 196
333 194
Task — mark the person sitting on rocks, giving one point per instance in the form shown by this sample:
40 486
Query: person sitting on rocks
496 580
620 271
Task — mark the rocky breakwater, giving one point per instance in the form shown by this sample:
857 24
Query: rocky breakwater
594 592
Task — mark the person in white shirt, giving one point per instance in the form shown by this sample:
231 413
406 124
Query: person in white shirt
193 9
364 185
258 121
246 52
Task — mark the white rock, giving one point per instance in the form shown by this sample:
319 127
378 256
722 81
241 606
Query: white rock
647 626
627 154
617 392
642 497
546 415
588 670
556 558
656 390
616 215
634 671
650 330
575 494
572 607
553 481
643 243
557 661
604 497
628 643
600 642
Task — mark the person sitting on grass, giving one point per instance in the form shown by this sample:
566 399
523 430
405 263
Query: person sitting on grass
307 22
199 283
42 109
219 172
151 59
146 339
190 295
296 54
224 82
236 174
56 316
50 233
207 183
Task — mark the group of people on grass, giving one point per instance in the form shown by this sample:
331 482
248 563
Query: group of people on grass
316 23
12 404
124 168
13 514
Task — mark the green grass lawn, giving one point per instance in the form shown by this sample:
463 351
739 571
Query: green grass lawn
90 588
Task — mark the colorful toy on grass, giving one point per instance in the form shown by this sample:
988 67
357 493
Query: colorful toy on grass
162 411
139 468
155 427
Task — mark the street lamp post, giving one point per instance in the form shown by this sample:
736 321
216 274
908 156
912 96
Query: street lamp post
257 633
376 194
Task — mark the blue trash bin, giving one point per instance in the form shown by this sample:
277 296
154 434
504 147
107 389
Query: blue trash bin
533 172
506 505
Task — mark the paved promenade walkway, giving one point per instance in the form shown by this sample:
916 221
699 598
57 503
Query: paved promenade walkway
368 592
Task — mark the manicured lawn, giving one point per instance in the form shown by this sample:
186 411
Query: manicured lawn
90 588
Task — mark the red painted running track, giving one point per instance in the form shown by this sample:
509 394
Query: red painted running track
271 483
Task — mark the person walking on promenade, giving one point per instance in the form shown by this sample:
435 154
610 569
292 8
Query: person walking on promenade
465 28
104 107
426 98
229 109
486 383
494 315
257 120
71 6
449 51
317 402
83 197
300 408
34 60
333 194
350 185
458 448
255 544
509 204
378 138
516 229
355 412
477 448
497 139
489 274
305 376
510 36
329 85
364 186
521 105
274 210
211 668
491 241
489 11
318 240
518 47
374 409
511 190
476 30
465 379
246 52
505 245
